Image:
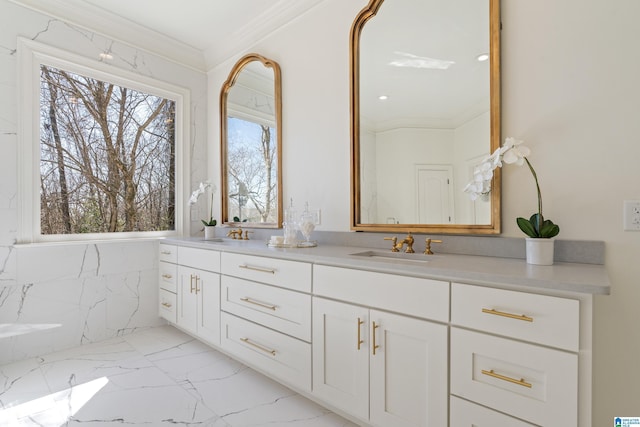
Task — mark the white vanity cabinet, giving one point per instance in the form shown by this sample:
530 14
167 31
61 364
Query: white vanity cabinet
384 368
167 280
517 353
198 294
266 315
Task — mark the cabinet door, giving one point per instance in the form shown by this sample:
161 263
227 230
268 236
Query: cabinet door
187 300
208 292
408 371
341 356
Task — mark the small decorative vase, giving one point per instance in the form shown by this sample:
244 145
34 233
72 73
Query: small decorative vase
209 232
540 251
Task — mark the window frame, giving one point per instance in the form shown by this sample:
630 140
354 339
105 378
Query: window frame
31 55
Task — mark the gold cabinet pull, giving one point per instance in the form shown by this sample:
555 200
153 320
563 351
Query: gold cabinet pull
521 381
360 340
165 252
260 269
197 280
373 339
166 276
191 283
166 304
258 346
258 303
509 315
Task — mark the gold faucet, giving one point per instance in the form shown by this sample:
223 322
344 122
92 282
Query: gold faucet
427 250
397 246
235 234
246 234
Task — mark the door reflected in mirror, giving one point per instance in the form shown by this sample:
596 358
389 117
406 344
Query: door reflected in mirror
425 110
251 147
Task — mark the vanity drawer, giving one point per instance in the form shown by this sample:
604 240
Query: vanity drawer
467 414
425 298
534 383
282 356
167 305
202 259
281 309
287 274
168 276
541 319
168 253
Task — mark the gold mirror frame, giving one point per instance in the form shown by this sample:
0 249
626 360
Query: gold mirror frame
494 81
224 93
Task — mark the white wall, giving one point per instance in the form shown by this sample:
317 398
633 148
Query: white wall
570 89
80 292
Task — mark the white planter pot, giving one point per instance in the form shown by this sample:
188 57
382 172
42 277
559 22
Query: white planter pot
209 232
540 251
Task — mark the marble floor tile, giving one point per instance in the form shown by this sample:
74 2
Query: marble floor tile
154 377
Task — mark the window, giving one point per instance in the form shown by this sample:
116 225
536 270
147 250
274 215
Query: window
102 150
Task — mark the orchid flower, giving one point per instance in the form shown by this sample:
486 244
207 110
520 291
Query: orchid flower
512 151
196 195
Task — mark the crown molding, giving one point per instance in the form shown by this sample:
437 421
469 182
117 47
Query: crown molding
92 18
281 13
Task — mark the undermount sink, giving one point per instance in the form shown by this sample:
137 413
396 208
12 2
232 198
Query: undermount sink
401 257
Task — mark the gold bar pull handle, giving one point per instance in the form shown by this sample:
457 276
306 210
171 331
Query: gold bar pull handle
166 276
259 304
197 280
260 269
258 346
360 340
521 381
166 304
373 338
166 252
191 277
509 315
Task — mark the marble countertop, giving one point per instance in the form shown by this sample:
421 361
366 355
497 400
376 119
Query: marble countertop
478 270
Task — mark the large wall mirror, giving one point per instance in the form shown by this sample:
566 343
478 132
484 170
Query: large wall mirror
251 143
425 109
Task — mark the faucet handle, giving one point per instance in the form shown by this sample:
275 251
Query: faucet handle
429 241
246 234
394 241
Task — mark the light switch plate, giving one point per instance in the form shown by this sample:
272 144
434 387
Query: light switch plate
631 215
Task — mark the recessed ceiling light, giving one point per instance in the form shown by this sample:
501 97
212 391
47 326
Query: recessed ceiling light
383 97
482 57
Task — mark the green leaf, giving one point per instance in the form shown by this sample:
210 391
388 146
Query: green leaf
549 229
527 227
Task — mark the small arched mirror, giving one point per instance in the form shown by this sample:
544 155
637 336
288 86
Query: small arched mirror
425 109
251 143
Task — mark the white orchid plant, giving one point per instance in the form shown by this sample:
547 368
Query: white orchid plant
513 151
202 188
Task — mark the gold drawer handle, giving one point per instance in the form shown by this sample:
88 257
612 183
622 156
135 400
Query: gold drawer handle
360 340
166 304
260 269
521 381
509 315
258 303
167 276
166 252
258 346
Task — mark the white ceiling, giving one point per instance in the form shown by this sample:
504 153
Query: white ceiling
199 33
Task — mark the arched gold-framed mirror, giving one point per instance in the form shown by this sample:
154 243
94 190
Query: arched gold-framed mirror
425 109
251 143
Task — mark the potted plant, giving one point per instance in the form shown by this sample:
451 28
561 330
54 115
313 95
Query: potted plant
209 230
539 244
